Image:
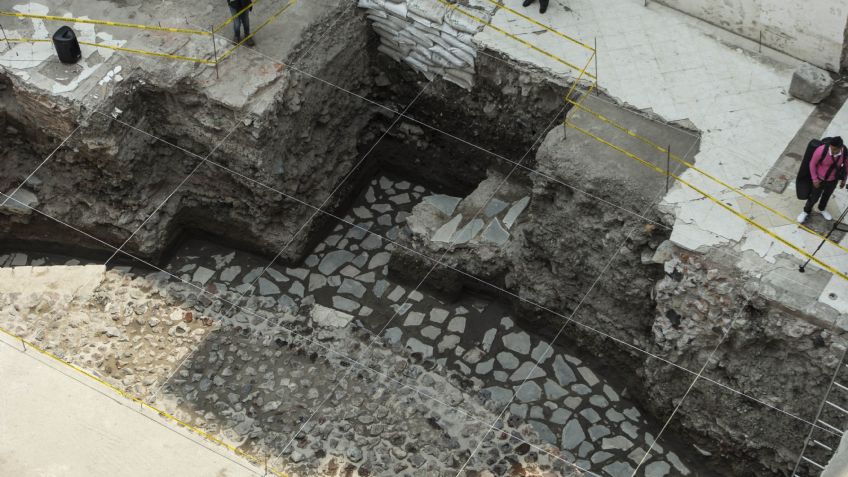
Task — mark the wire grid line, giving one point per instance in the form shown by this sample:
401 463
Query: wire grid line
570 318
377 336
46 159
418 391
112 397
716 383
691 385
715 179
818 413
513 294
302 227
459 139
283 328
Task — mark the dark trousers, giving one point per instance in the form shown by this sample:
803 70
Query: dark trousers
240 21
821 195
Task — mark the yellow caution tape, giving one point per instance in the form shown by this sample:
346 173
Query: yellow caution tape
546 27
520 40
577 81
707 174
119 48
715 200
105 22
139 401
230 20
263 25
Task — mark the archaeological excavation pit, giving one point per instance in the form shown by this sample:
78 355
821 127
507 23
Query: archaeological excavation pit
411 238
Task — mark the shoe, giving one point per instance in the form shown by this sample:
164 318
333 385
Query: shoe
250 42
826 215
543 9
237 39
527 3
802 217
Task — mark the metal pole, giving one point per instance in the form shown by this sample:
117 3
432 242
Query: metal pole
215 51
596 61
761 42
23 343
667 167
5 38
839 220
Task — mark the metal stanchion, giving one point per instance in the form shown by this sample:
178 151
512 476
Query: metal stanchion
215 51
23 343
834 228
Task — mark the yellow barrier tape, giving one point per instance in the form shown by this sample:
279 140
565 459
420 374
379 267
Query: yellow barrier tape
715 200
119 48
105 22
520 40
230 20
546 27
139 401
577 81
708 175
263 25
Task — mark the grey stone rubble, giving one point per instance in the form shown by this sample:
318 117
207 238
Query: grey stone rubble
430 36
245 380
811 84
479 218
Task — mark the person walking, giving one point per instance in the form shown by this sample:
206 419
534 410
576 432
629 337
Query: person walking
543 5
827 168
242 20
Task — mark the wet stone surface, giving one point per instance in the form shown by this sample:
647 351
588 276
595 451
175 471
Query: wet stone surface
292 354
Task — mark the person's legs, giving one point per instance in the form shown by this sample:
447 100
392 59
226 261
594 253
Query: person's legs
527 3
827 189
543 6
236 25
815 194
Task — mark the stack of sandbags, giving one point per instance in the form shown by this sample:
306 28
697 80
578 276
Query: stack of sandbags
429 35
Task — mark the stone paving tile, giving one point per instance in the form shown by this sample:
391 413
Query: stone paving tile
473 345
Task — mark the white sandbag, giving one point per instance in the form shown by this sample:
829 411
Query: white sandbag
439 41
456 62
424 52
372 4
415 63
419 20
396 1
420 36
462 74
446 28
383 31
433 10
456 43
405 38
440 61
462 55
381 26
397 9
465 23
372 14
389 23
457 81
429 75
460 78
395 55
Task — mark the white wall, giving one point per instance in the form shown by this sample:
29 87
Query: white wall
810 30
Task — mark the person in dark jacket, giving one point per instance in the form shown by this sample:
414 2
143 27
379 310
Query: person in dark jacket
543 5
827 167
242 20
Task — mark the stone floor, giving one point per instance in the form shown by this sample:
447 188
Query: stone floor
238 372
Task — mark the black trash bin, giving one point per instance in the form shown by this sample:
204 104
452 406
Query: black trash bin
67 46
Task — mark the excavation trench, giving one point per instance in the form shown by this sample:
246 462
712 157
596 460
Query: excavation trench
247 191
